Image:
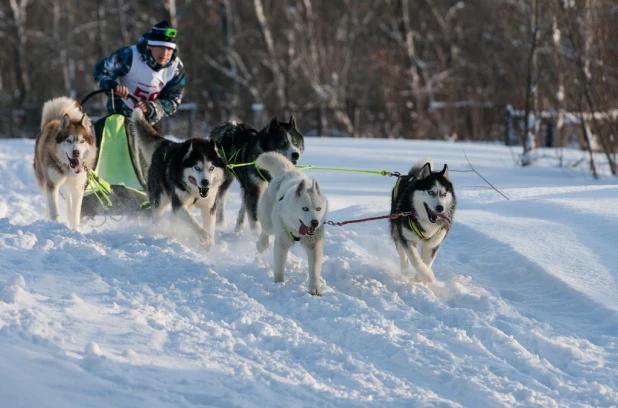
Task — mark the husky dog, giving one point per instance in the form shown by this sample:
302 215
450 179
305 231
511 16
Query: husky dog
243 144
182 174
63 152
292 209
430 199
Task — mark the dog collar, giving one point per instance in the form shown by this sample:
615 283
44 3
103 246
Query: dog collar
292 237
420 233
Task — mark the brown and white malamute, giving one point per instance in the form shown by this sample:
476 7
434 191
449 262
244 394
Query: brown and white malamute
64 150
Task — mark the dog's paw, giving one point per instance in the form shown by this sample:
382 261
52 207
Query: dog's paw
205 239
207 245
316 292
424 276
262 243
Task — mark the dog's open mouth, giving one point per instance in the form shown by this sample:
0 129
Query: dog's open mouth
433 216
75 164
203 191
305 230
294 162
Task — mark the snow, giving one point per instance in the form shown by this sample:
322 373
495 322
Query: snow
524 311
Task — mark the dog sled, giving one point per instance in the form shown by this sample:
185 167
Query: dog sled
116 185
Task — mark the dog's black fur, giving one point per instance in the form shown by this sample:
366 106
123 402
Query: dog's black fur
184 174
241 143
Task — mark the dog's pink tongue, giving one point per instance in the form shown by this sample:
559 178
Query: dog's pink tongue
192 180
304 230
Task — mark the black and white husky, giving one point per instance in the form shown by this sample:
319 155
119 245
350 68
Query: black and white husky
429 199
181 174
292 209
243 144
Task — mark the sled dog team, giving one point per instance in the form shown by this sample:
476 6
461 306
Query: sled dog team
277 198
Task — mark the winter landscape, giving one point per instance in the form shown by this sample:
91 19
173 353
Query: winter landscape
524 312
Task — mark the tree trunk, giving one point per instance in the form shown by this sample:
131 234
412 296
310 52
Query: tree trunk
530 84
272 54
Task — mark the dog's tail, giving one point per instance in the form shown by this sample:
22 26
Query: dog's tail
419 165
274 163
56 108
146 137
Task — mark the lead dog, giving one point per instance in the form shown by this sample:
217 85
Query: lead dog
181 174
63 152
429 198
292 209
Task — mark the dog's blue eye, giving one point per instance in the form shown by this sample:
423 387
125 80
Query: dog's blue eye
431 193
319 209
305 209
197 168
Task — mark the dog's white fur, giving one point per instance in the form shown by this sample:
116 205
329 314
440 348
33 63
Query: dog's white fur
66 132
291 203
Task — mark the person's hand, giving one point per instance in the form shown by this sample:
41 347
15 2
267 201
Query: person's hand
122 91
143 105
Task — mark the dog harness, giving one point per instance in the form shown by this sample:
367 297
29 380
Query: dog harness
231 160
292 237
420 233
413 227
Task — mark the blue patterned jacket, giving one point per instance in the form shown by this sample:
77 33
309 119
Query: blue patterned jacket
119 63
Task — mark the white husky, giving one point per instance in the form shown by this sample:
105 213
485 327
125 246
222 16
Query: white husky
292 209
64 150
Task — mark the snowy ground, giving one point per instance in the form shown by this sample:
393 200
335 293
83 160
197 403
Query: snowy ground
524 313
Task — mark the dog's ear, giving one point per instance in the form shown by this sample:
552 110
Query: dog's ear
214 146
300 188
274 124
316 187
190 149
86 122
64 123
444 172
292 122
424 172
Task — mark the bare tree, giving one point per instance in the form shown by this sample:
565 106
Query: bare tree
273 59
18 43
530 83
